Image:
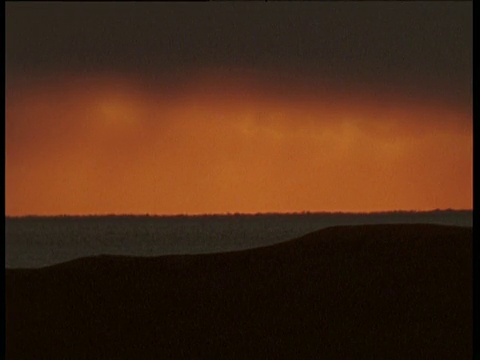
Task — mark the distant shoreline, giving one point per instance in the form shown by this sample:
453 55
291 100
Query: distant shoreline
238 214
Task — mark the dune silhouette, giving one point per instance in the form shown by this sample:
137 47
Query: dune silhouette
350 292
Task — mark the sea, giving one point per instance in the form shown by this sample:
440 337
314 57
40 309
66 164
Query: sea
34 242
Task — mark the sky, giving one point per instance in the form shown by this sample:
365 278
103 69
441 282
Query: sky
223 107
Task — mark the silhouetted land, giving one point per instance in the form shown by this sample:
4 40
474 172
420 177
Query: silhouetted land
353 292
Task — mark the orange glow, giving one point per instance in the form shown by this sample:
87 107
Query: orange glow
232 143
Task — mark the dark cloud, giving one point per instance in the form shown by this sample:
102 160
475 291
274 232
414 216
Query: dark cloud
419 46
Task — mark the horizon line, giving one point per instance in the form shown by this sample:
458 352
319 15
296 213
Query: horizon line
231 214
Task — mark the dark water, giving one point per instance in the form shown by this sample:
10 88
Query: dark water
35 242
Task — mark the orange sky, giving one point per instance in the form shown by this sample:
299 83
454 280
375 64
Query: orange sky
224 142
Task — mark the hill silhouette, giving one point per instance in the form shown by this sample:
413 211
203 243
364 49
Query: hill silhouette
352 292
